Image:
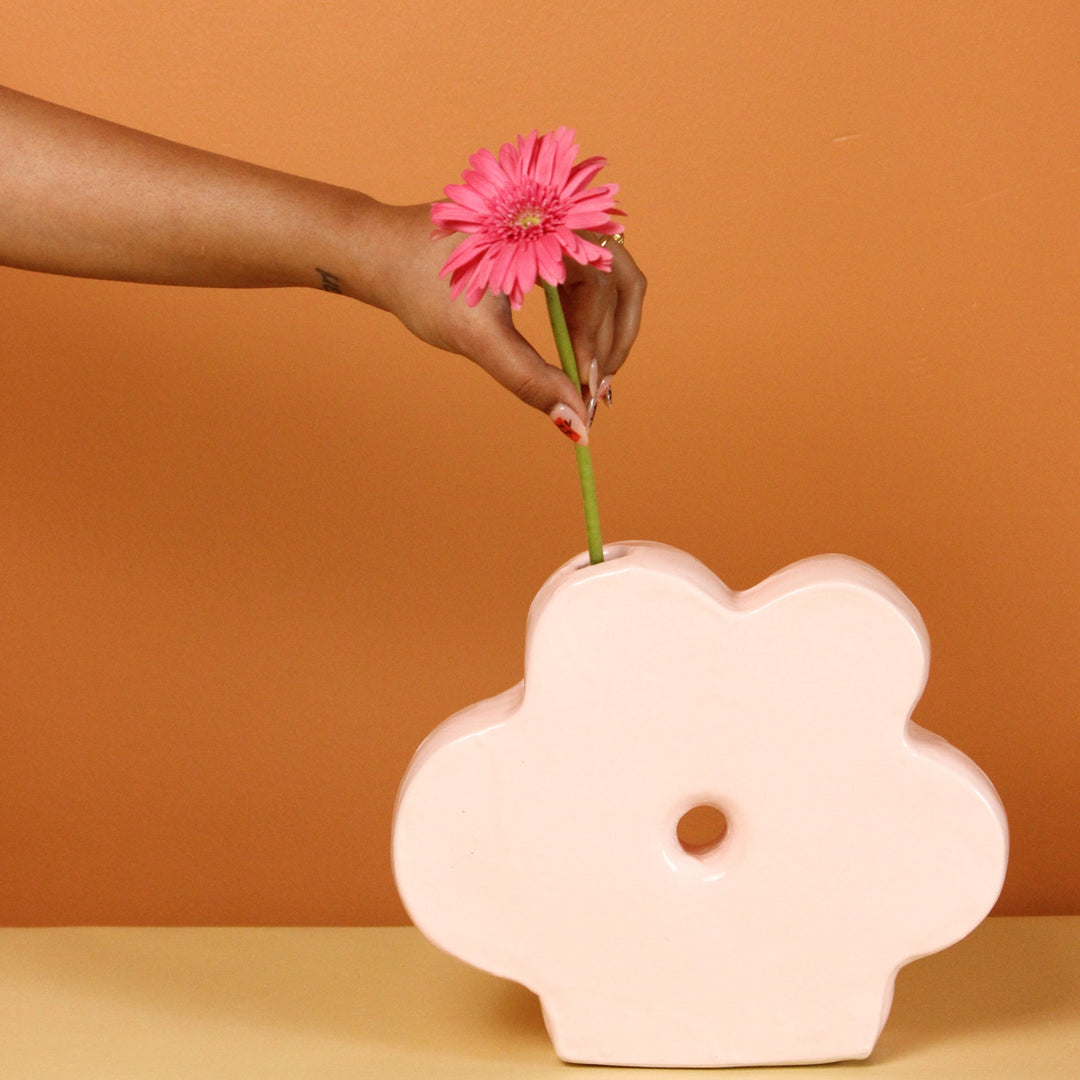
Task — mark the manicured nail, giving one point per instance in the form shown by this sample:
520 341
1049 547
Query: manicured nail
603 392
569 423
594 376
595 383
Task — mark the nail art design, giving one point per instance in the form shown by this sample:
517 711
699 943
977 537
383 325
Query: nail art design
603 392
569 423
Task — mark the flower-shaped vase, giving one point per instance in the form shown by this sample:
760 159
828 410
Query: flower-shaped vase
542 834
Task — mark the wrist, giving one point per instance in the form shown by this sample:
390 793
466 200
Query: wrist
343 254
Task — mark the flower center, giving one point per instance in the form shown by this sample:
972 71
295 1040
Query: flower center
528 217
527 211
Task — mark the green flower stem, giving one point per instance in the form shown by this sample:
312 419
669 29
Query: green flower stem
584 458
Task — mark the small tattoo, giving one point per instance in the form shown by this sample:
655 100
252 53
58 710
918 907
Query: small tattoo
330 282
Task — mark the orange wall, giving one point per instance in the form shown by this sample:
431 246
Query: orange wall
253 546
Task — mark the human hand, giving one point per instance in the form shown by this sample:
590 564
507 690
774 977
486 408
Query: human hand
603 314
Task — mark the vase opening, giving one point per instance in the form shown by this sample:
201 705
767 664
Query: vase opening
611 553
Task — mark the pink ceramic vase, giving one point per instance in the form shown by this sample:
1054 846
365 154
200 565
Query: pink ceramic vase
537 834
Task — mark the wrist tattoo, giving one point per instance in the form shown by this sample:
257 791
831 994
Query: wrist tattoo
330 282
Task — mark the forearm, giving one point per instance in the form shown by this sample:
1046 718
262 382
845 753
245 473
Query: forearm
86 197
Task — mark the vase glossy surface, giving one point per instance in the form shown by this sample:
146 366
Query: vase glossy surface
547 834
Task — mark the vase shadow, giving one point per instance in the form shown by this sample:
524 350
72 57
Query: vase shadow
388 991
1009 974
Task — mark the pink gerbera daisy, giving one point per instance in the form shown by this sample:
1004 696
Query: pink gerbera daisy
521 211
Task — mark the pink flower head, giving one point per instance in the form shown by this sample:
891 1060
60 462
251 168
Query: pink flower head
521 212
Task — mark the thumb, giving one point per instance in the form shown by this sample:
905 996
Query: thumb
509 359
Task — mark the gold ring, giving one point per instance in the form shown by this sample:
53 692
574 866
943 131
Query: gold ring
618 237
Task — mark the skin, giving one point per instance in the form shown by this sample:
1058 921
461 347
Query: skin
89 198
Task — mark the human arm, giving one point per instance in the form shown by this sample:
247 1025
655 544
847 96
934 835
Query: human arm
86 197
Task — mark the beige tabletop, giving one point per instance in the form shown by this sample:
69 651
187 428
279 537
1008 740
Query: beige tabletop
202 1004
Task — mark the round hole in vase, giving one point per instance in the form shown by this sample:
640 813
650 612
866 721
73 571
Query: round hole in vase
702 829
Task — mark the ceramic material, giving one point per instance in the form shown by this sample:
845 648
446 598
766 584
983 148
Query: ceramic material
537 833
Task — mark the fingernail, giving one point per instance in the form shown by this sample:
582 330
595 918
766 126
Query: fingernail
593 402
594 376
569 423
603 391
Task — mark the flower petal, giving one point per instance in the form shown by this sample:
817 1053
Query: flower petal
566 151
585 252
549 259
485 164
582 173
467 196
502 271
525 267
544 167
